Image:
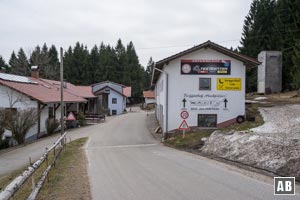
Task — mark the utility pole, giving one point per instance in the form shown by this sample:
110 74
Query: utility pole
62 124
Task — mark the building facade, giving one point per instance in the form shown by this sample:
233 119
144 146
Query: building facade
207 81
111 97
20 93
149 97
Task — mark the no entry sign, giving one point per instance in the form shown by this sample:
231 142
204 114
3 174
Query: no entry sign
184 114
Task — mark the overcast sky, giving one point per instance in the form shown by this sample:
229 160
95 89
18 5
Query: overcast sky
158 28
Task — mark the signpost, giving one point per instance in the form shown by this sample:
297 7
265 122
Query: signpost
233 84
184 114
71 117
184 126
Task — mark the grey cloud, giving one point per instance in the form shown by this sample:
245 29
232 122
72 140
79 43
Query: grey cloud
146 23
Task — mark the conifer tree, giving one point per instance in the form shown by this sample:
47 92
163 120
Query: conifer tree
19 64
3 65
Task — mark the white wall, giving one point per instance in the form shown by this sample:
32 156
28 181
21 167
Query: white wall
149 101
182 86
26 102
119 106
23 103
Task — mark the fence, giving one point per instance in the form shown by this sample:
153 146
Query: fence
18 182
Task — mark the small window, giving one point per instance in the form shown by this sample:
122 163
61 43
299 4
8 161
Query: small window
204 84
51 112
114 100
207 120
114 112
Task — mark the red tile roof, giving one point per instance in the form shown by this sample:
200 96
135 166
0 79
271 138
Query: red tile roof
127 91
149 94
41 91
80 91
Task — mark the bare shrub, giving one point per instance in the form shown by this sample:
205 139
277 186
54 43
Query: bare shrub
51 125
19 122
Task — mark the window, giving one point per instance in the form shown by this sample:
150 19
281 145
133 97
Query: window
114 112
207 120
114 100
51 112
204 84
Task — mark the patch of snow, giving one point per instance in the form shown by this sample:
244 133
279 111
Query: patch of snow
280 119
261 98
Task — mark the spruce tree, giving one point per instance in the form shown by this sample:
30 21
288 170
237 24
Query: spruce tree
53 62
3 65
19 64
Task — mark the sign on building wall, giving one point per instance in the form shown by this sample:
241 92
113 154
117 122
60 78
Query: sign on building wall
206 102
205 67
229 84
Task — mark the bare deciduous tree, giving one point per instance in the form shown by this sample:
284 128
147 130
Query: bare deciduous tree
15 97
20 122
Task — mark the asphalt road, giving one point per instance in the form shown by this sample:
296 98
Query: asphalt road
17 158
125 162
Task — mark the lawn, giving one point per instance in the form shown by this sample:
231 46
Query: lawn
67 180
192 140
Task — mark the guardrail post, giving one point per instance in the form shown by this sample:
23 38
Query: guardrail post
32 177
54 156
47 163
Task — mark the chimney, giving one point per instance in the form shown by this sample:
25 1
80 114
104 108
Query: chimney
65 84
35 72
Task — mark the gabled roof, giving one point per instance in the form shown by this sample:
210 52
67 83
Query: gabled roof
248 61
80 91
127 91
107 83
38 89
119 88
149 94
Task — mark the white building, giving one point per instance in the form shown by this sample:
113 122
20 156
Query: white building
20 92
149 97
112 97
207 80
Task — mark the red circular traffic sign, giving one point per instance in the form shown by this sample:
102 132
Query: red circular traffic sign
184 114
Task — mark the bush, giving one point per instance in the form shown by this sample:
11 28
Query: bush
19 122
81 119
4 144
51 125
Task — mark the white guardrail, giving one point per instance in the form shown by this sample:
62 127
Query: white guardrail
17 183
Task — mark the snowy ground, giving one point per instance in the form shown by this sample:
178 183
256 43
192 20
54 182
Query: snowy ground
280 121
274 146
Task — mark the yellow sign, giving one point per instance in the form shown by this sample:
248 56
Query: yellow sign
229 84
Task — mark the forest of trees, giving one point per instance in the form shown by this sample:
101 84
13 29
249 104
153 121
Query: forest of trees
119 64
269 25
273 25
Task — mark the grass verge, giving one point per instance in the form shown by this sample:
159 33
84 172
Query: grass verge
252 112
191 141
67 180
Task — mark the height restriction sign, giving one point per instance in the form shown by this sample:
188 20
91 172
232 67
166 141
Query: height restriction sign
184 114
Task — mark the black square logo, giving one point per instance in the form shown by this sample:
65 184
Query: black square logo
284 185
